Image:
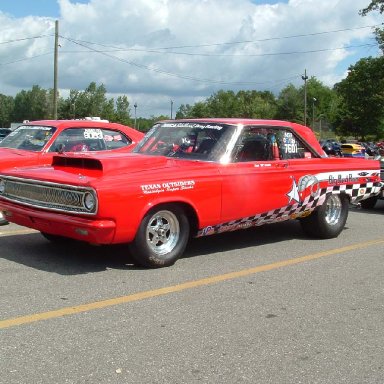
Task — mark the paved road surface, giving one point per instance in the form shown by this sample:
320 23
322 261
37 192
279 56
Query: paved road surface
265 305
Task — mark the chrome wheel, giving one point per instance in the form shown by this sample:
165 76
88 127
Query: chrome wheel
161 237
3 220
328 220
162 232
333 209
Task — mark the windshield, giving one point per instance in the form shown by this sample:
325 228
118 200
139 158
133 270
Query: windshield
28 137
188 140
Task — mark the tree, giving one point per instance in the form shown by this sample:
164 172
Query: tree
184 111
290 104
222 104
91 101
6 110
255 104
31 105
376 5
122 110
361 109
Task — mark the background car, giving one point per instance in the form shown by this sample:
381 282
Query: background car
371 201
35 143
352 150
4 132
331 147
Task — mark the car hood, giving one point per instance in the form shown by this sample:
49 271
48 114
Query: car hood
11 153
87 167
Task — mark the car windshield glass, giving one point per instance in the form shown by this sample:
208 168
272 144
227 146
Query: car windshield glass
28 137
188 140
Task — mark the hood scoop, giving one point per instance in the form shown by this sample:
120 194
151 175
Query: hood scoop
110 164
77 162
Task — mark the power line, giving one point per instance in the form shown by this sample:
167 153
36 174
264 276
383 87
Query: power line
26 58
24 38
157 70
242 41
228 55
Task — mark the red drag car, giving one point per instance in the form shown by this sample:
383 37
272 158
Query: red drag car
190 178
35 143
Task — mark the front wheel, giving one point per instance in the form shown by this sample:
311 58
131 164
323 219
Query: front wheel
162 237
329 219
3 220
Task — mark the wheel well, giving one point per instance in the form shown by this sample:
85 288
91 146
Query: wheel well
344 195
189 211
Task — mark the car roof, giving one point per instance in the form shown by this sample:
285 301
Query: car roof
74 123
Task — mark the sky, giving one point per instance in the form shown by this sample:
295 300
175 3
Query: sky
164 53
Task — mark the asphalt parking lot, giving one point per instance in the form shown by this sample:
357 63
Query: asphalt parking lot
265 305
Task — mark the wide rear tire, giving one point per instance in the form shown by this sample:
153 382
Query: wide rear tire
162 237
329 219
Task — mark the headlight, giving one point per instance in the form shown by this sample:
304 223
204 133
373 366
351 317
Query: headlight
2 186
89 201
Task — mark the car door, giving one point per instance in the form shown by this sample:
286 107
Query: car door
260 181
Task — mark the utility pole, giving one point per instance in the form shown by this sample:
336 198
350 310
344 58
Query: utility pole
305 78
55 70
171 108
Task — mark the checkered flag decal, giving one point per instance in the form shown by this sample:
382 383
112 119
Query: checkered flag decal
357 192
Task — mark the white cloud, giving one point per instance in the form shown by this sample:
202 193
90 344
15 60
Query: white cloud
198 64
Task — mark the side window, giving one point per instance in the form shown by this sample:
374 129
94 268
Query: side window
254 144
115 139
290 146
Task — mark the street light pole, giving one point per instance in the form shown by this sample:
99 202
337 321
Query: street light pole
135 105
171 108
305 78
313 113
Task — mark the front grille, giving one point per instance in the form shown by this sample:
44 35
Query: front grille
52 196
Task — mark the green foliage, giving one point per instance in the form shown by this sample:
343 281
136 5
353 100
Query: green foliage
353 107
376 5
361 93
6 109
247 104
31 105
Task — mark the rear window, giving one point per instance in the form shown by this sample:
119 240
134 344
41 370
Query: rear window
89 139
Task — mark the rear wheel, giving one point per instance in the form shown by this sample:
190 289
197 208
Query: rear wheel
369 203
329 219
162 237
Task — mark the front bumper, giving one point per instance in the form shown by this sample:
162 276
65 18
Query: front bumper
79 228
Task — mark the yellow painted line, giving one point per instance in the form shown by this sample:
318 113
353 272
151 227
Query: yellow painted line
179 287
17 232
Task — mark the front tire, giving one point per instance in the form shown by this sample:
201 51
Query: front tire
162 237
3 220
329 219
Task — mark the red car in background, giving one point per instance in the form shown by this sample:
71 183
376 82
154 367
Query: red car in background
190 178
36 142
